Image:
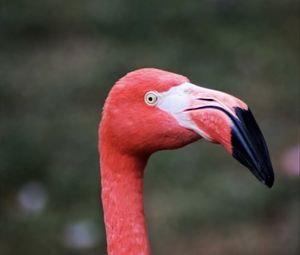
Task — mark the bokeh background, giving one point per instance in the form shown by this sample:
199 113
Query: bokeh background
58 60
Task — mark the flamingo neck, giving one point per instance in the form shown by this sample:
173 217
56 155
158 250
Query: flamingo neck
122 199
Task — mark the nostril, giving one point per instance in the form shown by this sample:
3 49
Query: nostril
206 99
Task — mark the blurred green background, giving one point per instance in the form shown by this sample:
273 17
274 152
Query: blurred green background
59 59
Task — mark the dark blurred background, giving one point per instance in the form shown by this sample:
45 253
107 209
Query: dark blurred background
59 59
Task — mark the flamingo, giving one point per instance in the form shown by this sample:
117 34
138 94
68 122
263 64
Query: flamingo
150 110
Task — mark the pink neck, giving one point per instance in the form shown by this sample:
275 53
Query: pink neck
122 199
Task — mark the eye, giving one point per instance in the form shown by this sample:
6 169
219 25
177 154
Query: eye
151 98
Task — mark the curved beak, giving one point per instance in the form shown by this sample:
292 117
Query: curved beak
249 146
221 118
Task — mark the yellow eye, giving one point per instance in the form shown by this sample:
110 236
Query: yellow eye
151 98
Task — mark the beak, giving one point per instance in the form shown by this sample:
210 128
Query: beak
222 118
249 146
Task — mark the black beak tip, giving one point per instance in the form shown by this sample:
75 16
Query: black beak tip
249 146
270 183
269 180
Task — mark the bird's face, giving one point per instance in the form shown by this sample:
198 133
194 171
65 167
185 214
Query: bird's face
150 110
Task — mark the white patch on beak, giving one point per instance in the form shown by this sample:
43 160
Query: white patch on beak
178 99
174 100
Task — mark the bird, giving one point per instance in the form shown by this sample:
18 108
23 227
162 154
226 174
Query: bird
149 110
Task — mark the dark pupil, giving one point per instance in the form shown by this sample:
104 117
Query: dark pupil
150 99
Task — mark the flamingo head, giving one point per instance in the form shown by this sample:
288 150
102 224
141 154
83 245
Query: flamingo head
150 109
